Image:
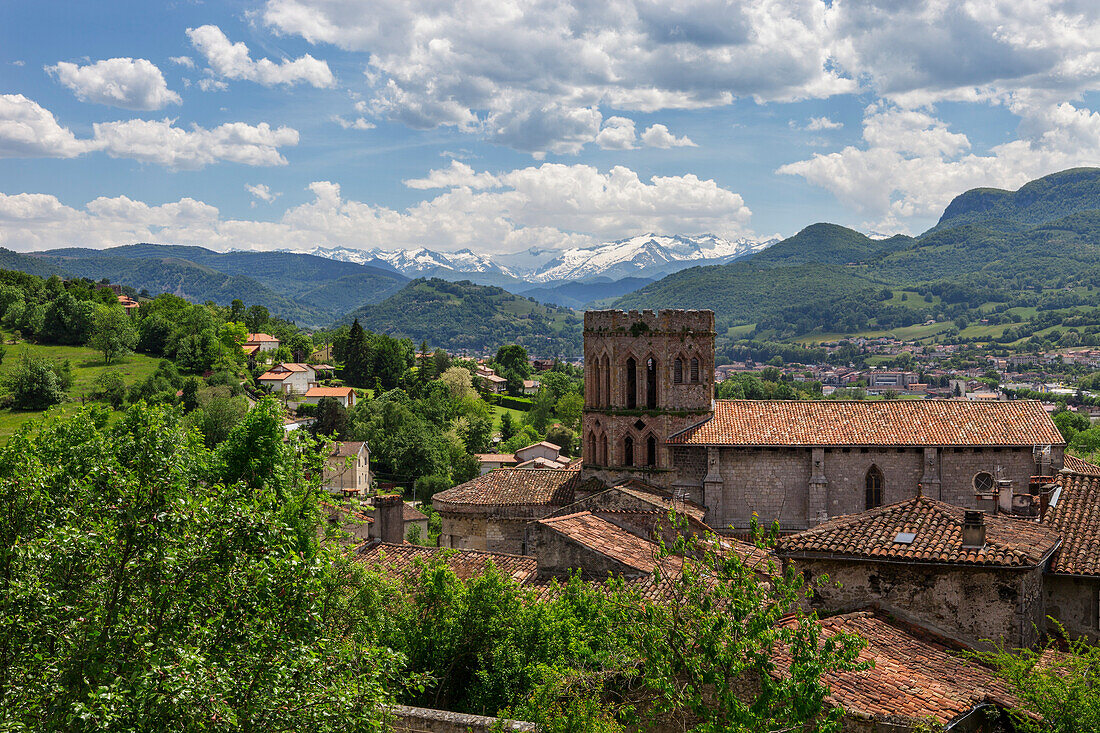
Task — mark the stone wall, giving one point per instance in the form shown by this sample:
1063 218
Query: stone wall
968 604
560 557
1074 603
775 483
425 720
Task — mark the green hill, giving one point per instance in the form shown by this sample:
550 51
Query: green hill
829 244
1043 200
462 315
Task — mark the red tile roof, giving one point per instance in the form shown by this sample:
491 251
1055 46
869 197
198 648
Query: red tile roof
412 514
496 457
407 560
871 535
915 674
513 487
347 448
329 392
256 338
1079 465
610 540
887 422
1076 516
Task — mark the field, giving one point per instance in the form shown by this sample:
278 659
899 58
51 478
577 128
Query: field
87 364
498 411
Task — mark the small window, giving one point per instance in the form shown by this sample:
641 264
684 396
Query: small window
678 371
874 487
628 451
694 369
651 451
983 483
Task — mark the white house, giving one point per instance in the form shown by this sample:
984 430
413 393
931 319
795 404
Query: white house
290 378
261 342
344 395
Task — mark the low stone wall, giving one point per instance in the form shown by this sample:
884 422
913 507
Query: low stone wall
425 720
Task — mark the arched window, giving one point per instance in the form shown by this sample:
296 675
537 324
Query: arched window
983 483
590 448
595 383
651 383
631 386
602 451
874 487
605 393
628 451
678 371
651 451
694 369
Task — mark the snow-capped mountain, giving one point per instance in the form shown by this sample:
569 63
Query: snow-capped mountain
648 254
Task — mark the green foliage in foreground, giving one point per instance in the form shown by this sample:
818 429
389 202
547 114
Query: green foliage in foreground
150 584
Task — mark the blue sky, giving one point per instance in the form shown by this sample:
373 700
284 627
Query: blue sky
507 125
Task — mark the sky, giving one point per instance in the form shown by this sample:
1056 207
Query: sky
507 125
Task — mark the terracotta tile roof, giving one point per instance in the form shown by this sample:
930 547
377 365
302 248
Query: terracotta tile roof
540 462
273 376
871 535
496 457
1076 516
610 540
407 560
347 448
329 392
514 487
887 422
915 674
646 587
412 514
661 499
1080 465
255 338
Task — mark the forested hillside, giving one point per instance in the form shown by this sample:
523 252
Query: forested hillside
463 315
1016 249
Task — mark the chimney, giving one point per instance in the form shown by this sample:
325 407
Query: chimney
390 518
973 529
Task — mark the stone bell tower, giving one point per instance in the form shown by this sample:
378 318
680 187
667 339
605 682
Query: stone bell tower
647 375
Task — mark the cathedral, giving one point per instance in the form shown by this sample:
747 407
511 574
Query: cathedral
651 418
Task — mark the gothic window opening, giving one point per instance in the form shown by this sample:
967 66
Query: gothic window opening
606 392
597 382
874 487
651 451
602 451
678 371
631 384
983 483
651 384
628 451
694 369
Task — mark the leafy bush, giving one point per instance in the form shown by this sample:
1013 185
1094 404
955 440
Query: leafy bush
35 384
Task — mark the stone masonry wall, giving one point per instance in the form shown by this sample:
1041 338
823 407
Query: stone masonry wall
1073 602
965 603
424 720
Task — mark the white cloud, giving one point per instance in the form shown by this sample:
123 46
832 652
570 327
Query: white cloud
459 174
912 164
122 82
526 209
28 130
534 76
213 85
359 123
18 62
658 136
816 124
185 61
617 134
261 192
163 143
233 61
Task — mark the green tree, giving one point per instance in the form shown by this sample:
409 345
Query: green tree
1070 423
507 426
331 419
541 412
113 333
513 358
569 410
218 416
563 437
356 356
256 318
34 384
388 363
110 386
425 487
170 597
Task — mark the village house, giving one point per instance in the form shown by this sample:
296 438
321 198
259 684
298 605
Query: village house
967 575
292 379
344 395
536 455
494 384
256 343
347 469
